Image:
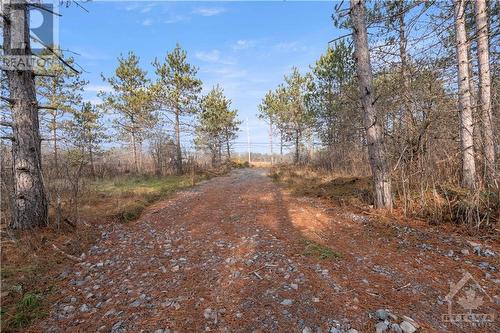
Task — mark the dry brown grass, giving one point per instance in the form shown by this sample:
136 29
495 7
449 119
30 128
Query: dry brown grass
475 213
29 266
342 189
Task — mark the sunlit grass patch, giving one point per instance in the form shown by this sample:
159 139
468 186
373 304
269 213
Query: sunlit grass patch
28 308
319 251
127 197
141 185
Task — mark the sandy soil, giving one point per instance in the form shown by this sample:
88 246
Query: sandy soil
240 254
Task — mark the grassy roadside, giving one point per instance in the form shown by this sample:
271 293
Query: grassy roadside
124 199
31 261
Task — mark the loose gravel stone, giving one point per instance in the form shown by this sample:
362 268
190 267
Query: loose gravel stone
406 327
381 314
381 327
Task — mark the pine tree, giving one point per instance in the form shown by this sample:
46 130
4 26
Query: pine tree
268 112
131 100
373 126
328 96
295 115
176 91
61 89
30 205
86 131
217 124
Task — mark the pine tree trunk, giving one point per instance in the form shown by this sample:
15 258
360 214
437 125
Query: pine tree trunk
178 151
271 140
485 92
92 165
374 134
466 121
30 208
54 143
220 153
297 157
281 146
140 156
408 116
134 149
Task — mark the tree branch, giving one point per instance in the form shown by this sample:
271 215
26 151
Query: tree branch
55 53
5 17
47 107
7 99
44 74
39 6
338 38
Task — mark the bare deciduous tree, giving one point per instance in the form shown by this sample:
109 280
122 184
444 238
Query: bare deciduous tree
485 90
466 121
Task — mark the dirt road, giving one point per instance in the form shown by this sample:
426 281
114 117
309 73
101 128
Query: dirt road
239 254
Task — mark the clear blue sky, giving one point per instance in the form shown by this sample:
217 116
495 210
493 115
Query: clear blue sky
246 47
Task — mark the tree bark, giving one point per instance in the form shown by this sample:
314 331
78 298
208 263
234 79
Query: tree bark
466 121
408 115
297 148
281 146
485 92
178 151
92 165
140 156
271 139
134 149
30 201
220 153
54 143
374 134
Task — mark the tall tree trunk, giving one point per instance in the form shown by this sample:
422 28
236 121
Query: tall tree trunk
220 153
57 171
405 75
140 156
91 157
214 157
466 121
281 146
134 149
374 134
54 143
271 139
178 151
485 92
297 148
30 200
228 148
